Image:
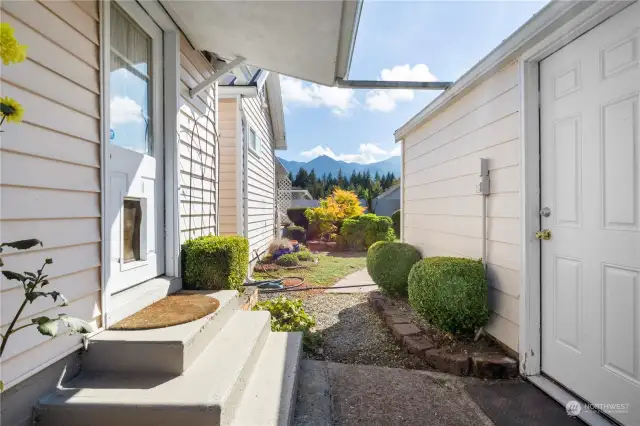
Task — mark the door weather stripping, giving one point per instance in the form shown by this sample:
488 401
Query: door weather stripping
216 76
377 84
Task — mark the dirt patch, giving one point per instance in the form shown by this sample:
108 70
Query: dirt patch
175 309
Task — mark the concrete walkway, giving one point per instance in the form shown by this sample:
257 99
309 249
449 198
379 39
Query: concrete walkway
348 394
359 278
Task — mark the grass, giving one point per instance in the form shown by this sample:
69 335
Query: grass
330 268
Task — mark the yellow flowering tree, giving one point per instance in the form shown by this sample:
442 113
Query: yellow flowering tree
340 205
11 52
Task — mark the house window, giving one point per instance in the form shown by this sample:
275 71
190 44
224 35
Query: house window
254 141
130 81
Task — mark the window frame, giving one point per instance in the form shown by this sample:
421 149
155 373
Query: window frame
258 141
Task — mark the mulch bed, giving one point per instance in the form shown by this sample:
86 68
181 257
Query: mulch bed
174 309
462 356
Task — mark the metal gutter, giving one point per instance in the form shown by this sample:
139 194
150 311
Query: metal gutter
378 84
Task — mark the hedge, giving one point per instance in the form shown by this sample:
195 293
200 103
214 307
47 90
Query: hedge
395 217
450 292
296 232
296 214
389 264
215 263
362 231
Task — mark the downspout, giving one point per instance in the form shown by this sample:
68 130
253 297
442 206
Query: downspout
483 189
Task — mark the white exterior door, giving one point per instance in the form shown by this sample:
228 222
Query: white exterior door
590 178
135 189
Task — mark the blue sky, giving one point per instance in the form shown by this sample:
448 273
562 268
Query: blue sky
397 40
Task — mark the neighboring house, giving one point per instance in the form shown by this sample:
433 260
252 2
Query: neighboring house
121 125
387 202
251 128
556 112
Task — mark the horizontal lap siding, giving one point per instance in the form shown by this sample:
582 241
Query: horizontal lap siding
50 172
229 163
260 178
197 151
443 213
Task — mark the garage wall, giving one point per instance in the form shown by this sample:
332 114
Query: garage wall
229 167
50 172
260 176
198 149
443 213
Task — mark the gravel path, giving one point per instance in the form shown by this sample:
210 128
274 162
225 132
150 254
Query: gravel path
353 334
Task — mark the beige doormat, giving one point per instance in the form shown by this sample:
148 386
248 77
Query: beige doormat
175 309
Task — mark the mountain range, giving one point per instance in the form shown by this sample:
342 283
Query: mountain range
324 164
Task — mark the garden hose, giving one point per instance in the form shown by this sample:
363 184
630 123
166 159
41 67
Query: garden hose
275 284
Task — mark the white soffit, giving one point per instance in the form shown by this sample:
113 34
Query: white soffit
311 40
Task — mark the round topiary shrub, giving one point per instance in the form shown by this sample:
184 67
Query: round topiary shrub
389 264
288 260
450 292
304 256
395 217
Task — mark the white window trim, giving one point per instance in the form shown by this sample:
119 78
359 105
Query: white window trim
171 75
256 152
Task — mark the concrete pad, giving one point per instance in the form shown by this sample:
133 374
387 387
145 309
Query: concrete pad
361 279
313 407
368 395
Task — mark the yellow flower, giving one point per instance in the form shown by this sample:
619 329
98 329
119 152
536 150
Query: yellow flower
11 51
11 110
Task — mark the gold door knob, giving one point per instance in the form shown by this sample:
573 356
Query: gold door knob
545 234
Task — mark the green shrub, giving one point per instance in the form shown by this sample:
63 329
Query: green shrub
290 259
395 218
362 231
296 232
389 264
288 315
304 255
215 263
450 292
297 216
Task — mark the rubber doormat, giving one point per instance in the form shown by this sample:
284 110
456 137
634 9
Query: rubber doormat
518 403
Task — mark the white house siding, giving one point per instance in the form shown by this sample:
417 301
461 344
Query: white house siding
230 165
50 172
198 150
260 177
442 212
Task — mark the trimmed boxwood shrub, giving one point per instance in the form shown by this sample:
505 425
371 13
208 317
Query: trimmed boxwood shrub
215 263
296 232
450 292
296 214
290 259
395 217
362 231
389 264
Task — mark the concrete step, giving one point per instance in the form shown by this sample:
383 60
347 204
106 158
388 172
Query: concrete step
205 394
169 350
270 396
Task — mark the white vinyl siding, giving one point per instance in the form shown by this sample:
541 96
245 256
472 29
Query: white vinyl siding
50 172
260 177
198 150
230 164
443 213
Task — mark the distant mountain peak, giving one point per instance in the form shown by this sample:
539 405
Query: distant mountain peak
325 164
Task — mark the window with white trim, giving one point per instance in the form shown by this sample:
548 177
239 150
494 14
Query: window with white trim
254 141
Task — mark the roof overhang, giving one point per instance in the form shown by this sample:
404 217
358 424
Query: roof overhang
553 17
310 40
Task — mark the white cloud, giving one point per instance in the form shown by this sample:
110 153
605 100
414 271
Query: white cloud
367 153
125 110
297 92
387 100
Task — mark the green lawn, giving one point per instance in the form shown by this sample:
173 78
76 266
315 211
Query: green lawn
330 268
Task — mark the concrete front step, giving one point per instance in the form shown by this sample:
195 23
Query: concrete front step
205 394
270 396
169 350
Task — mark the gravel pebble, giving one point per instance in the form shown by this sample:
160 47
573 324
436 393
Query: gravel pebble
353 334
